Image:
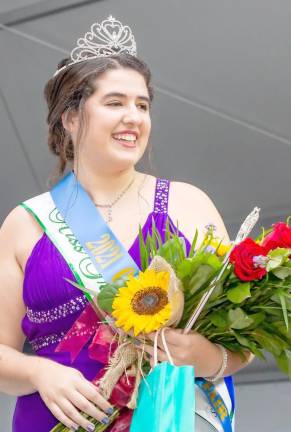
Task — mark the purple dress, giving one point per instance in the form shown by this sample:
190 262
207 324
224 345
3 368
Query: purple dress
53 305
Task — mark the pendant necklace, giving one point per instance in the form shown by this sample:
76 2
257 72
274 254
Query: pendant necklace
110 205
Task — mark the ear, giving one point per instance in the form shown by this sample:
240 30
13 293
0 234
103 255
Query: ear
70 121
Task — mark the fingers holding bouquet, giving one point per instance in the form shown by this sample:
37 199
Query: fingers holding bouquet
191 349
245 296
70 397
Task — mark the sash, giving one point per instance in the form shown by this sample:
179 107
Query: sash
94 254
215 403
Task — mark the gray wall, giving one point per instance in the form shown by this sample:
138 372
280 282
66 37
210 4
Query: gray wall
264 407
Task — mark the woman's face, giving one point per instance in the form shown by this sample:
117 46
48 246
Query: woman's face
118 121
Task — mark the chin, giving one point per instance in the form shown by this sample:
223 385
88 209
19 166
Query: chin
127 157
124 163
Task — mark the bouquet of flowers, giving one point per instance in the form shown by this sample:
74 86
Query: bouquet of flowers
248 307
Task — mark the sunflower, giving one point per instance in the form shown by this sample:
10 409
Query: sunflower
143 304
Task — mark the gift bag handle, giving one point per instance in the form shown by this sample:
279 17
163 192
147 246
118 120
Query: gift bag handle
162 332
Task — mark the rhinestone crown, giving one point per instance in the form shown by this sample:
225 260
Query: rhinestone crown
105 39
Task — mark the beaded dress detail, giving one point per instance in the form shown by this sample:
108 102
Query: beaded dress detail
53 305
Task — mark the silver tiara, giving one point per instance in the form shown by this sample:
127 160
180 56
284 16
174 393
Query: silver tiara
105 39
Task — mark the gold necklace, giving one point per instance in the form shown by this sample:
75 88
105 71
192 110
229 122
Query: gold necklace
110 205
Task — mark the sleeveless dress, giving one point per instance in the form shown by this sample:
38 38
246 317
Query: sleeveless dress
53 305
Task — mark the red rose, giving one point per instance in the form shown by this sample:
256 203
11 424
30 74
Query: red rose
245 258
280 237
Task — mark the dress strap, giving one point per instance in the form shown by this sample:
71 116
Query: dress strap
162 196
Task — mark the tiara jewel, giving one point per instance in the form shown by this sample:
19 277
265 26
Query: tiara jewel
105 39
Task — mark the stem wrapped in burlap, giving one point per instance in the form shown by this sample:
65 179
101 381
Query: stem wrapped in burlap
126 359
126 355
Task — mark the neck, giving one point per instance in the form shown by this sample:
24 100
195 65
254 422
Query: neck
103 186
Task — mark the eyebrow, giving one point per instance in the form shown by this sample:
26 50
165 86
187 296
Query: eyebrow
122 95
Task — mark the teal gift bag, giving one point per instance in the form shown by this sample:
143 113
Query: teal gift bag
166 397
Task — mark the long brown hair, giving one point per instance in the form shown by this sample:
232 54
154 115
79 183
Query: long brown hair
69 90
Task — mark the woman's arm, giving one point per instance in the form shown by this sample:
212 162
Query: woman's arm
194 349
16 371
15 367
64 390
193 209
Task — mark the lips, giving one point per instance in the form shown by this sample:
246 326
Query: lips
131 134
126 138
127 144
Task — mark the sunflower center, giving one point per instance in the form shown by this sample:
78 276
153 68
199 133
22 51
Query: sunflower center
149 301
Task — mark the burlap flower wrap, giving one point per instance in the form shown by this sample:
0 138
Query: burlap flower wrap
127 359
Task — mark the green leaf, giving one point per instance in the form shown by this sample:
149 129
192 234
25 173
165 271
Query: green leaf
218 291
257 318
213 261
273 311
151 245
219 319
284 310
279 252
276 299
168 233
270 342
281 326
282 272
156 235
106 296
172 251
239 293
274 263
184 268
203 273
262 235
246 342
277 258
284 362
194 241
144 255
239 319
181 248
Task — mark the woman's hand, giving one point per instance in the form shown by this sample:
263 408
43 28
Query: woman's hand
187 349
66 392
195 350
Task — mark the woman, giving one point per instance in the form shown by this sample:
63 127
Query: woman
99 119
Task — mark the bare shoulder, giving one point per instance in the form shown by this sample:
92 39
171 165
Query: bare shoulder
16 236
17 223
19 233
186 190
194 209
193 198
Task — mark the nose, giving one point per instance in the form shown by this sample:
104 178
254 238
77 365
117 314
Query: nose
132 115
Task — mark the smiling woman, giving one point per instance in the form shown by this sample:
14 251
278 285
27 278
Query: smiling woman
99 99
99 125
116 121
